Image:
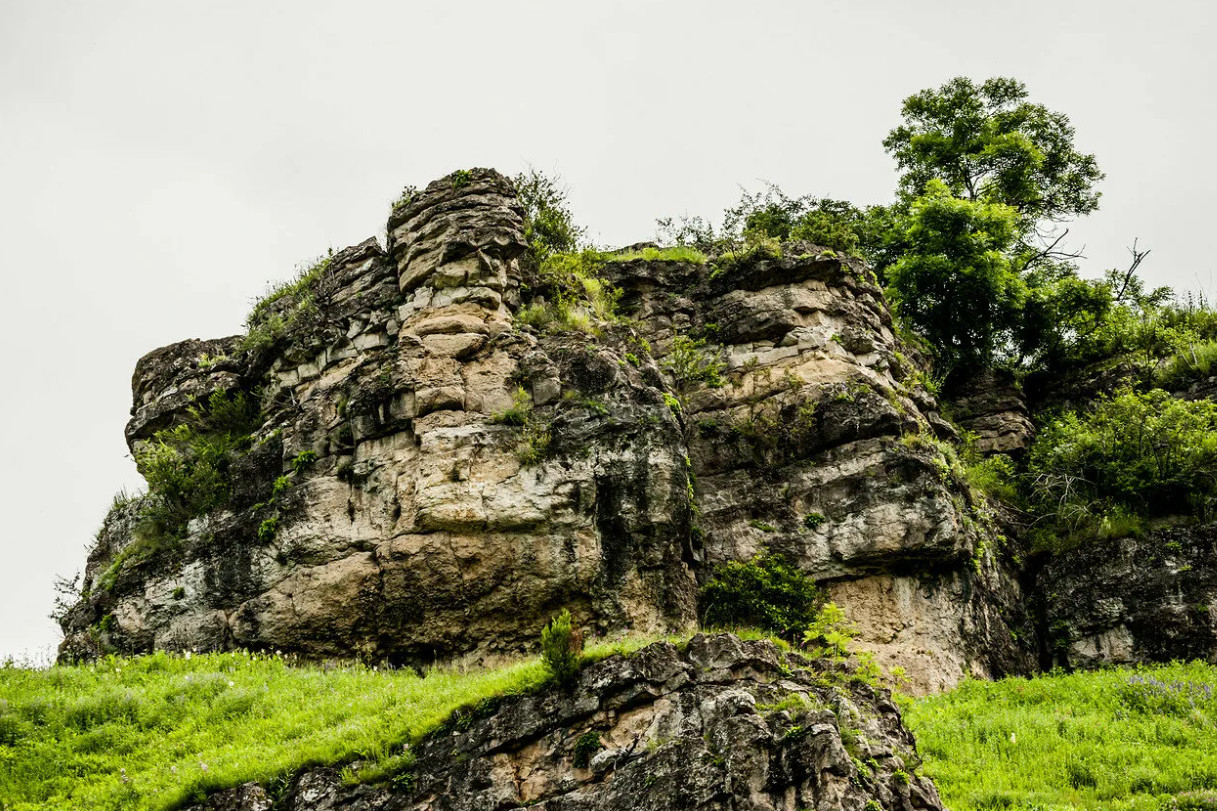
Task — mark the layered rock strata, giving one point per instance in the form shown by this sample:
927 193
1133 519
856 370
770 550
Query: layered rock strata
431 477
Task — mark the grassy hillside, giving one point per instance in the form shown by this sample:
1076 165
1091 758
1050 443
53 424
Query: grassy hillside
1116 739
158 731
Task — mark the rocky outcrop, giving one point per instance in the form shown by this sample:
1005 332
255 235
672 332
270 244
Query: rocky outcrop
722 724
1132 600
817 439
993 408
423 525
432 478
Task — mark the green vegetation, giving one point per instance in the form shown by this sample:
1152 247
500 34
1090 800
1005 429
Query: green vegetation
692 365
520 411
1114 740
158 731
678 253
549 224
766 592
187 466
408 193
954 280
285 306
986 142
1131 455
587 745
161 731
567 292
561 648
762 220
570 294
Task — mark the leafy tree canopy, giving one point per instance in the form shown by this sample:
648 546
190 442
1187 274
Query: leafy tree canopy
988 143
954 281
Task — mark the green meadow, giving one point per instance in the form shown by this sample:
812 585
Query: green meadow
1143 738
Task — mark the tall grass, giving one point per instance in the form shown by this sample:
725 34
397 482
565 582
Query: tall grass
159 731
1142 738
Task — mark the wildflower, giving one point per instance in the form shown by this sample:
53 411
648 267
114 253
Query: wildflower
187 654
232 684
1012 738
202 765
123 772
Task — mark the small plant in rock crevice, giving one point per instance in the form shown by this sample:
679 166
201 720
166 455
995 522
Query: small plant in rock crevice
562 647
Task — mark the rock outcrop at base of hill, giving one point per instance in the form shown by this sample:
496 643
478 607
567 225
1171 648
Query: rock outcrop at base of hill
722 724
1133 600
431 477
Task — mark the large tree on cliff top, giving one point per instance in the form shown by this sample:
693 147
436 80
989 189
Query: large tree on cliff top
987 143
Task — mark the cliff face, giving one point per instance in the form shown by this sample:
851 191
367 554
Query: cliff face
401 501
722 724
1133 600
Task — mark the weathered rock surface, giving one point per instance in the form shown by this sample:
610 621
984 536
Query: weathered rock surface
418 531
818 444
1131 600
723 724
993 407
436 522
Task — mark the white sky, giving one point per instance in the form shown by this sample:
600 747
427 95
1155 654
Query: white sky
161 161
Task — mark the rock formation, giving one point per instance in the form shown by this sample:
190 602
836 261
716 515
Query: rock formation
723 724
1132 600
432 478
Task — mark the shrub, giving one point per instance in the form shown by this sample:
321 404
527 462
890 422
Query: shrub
586 745
1132 454
186 466
303 461
813 520
520 411
994 476
766 592
549 226
691 365
561 647
829 634
769 216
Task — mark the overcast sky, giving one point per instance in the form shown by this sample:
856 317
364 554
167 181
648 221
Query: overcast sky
161 161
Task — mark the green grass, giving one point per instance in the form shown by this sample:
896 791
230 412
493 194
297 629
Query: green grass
1114 739
161 731
156 731
680 253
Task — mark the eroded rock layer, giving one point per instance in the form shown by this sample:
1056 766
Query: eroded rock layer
432 478
723 724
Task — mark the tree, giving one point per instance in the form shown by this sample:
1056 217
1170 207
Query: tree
549 225
955 283
988 143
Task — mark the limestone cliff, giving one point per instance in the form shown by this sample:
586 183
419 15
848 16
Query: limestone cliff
399 501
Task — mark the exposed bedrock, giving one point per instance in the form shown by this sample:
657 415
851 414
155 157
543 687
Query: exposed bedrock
431 513
1133 600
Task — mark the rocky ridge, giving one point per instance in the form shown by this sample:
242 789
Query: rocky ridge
720 724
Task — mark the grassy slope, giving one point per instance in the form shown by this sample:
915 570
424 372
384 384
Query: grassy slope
155 732
1115 739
